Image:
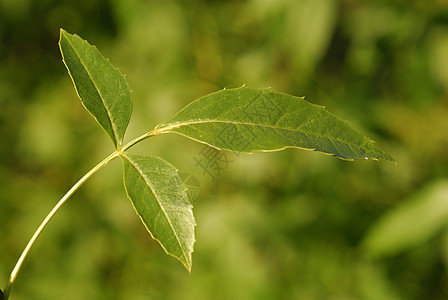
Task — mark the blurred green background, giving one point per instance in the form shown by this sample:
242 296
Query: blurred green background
284 225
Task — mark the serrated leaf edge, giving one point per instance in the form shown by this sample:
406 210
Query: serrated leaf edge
168 127
117 141
187 256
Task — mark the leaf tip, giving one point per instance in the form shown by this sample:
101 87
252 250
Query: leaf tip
188 264
63 32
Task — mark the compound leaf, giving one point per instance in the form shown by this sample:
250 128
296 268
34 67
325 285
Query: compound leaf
160 199
103 90
246 120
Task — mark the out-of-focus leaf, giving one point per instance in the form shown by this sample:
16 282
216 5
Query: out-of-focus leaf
410 224
103 90
160 199
247 120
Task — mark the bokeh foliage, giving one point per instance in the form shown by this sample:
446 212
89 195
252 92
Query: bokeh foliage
285 225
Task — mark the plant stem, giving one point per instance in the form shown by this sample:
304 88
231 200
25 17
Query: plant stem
19 263
70 192
139 139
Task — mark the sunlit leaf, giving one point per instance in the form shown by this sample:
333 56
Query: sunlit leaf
103 90
247 120
411 223
160 199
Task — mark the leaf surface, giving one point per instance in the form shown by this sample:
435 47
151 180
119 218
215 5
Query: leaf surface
160 199
103 90
247 120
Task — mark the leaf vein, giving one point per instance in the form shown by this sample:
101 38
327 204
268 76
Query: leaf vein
191 123
98 91
150 185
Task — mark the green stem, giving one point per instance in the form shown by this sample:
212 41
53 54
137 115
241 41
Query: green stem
140 138
74 188
19 263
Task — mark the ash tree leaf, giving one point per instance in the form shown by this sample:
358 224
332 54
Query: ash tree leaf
103 90
247 120
160 199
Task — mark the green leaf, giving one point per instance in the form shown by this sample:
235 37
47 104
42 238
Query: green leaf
160 199
103 90
246 120
410 224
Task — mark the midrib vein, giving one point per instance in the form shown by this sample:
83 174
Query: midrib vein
114 128
151 187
